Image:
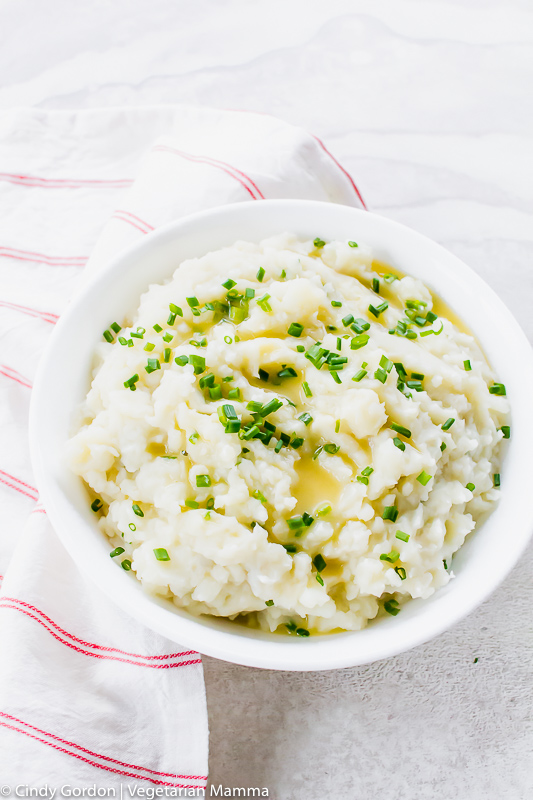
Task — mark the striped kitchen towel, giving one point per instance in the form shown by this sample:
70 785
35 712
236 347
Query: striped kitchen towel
87 695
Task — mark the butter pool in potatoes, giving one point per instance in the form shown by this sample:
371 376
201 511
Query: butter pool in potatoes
289 435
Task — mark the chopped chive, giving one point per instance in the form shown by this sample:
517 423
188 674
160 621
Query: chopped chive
270 407
157 328
319 579
336 304
392 607
367 471
385 363
470 487
390 277
260 274
206 380
308 519
130 383
259 496
496 478
192 504
215 392
96 505
132 527
229 411
167 337
339 343
232 426
331 448
360 325
390 557
203 481
424 478
263 375
319 242
194 437
347 320
279 445
302 632
380 375
295 522
401 430
335 376
116 552
287 372
297 442
229 284
137 510
138 334
153 365
300 348
122 340
307 391
305 418
362 479
108 336
377 310
337 426
404 537
228 339
167 352
198 362
161 554
149 346
375 285
317 452
359 341
390 513
448 424
192 302
319 562
126 564
323 510
506 430
442 447
295 329
398 443
467 366
359 375
497 388
269 602
175 310
181 360
353 244
400 571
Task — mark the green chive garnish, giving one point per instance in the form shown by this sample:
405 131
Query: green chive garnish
137 510
470 487
269 602
400 571
192 302
260 274
126 564
448 424
497 388
319 242
398 443
229 284
359 341
390 557
496 478
305 418
116 552
203 481
307 391
390 513
108 336
336 304
192 504
323 510
392 607
424 478
467 366
96 505
353 244
401 430
404 537
506 430
161 554
319 562
359 375
295 329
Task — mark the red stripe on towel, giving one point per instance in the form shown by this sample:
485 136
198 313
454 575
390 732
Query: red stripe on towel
235 173
325 149
74 746
42 258
91 644
14 375
32 312
101 656
63 183
134 220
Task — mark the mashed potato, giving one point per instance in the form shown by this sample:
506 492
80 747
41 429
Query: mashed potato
286 434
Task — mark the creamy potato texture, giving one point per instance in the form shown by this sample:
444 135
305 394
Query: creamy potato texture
286 434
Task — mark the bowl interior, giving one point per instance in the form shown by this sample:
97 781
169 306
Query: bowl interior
479 565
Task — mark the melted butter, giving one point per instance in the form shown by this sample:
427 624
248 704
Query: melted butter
315 486
440 307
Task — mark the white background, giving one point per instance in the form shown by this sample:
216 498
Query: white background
429 105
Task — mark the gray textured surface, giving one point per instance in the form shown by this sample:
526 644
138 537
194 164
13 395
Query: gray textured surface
428 104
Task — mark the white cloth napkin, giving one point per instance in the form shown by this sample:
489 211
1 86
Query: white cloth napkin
87 695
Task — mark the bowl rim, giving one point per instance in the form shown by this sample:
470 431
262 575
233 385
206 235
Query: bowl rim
252 648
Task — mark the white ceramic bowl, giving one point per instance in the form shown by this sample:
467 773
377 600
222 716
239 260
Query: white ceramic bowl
64 376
